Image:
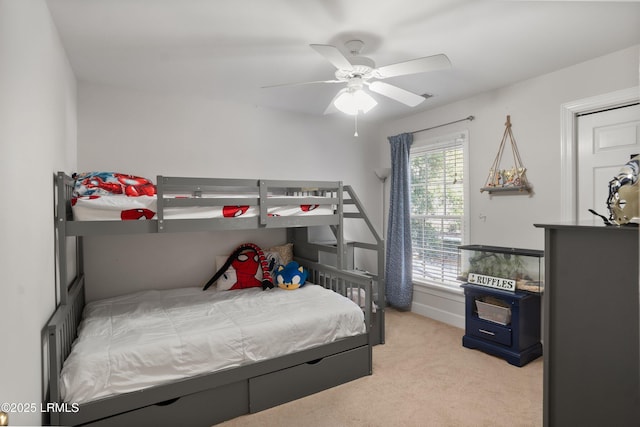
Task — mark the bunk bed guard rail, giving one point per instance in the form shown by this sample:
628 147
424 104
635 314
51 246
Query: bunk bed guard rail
213 192
262 194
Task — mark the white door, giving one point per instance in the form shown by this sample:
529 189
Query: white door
606 141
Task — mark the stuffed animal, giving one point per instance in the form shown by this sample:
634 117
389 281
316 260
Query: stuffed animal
291 276
246 259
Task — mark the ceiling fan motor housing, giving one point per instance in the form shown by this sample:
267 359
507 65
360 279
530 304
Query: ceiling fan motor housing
360 71
361 65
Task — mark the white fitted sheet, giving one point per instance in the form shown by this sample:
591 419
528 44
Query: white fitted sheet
113 208
148 338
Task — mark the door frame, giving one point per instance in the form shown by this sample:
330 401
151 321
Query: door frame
569 144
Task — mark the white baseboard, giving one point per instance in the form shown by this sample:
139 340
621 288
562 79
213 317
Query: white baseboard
438 314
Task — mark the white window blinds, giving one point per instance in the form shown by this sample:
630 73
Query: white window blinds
437 209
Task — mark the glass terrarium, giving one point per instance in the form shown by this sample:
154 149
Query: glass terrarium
509 269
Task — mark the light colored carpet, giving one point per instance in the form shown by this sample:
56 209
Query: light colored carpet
422 376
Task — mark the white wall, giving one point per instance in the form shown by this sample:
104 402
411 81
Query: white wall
37 138
170 134
180 135
534 106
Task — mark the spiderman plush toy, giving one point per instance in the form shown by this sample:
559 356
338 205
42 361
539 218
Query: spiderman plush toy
245 260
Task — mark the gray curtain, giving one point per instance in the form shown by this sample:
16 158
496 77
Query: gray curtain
398 264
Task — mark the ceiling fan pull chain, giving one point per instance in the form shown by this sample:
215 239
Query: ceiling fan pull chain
356 120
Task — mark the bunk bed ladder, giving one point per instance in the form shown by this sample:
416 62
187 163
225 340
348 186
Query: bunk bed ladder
379 247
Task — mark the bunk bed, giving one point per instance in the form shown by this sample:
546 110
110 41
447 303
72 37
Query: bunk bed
240 386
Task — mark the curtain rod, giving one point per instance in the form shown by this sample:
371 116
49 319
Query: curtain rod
470 118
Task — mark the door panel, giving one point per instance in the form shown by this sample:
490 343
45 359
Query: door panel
606 141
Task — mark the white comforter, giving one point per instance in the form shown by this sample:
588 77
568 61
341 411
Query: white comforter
148 338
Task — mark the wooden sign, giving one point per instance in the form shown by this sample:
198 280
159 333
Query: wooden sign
492 282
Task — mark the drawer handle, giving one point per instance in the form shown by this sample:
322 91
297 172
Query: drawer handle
168 402
484 331
313 362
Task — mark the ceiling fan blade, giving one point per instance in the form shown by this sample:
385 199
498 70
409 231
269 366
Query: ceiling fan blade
404 96
301 83
333 55
414 66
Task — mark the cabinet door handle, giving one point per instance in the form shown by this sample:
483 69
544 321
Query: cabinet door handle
484 331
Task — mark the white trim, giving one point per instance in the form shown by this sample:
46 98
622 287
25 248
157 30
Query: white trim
437 297
433 311
568 143
439 287
421 145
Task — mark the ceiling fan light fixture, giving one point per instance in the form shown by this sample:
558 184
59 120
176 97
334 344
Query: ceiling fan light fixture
353 102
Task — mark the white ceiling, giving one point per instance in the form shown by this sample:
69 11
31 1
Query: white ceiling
229 49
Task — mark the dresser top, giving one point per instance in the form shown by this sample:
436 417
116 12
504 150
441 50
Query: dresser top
588 225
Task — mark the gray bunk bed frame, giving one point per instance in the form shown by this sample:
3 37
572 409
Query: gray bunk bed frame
208 399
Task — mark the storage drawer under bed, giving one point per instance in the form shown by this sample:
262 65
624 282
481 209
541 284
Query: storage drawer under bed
288 384
213 406
200 409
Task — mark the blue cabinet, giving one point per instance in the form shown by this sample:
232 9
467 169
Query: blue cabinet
515 338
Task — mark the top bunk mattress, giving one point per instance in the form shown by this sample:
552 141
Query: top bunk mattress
110 196
148 338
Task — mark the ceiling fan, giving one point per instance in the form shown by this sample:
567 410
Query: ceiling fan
359 72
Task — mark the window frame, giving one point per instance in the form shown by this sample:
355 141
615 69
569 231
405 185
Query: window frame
427 143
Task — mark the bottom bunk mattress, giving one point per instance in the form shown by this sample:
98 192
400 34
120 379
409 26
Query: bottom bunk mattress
148 338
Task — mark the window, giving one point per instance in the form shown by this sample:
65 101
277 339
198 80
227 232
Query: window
437 208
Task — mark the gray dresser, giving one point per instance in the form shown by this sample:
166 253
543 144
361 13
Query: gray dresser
591 326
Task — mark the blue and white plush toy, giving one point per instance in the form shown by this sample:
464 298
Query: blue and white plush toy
291 276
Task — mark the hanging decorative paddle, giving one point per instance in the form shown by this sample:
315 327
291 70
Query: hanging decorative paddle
513 179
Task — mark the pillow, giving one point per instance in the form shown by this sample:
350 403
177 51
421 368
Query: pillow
292 276
246 269
230 277
284 251
250 268
273 261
